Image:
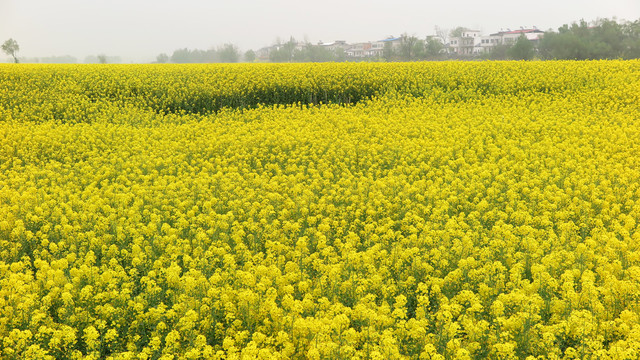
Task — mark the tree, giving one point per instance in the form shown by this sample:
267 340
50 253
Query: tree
522 49
250 56
339 54
162 58
102 59
387 51
442 33
181 56
419 50
498 52
457 32
602 39
631 32
411 48
561 45
317 53
212 55
11 47
228 53
284 52
434 48
607 39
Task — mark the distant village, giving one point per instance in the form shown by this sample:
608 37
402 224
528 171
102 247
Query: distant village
468 43
599 39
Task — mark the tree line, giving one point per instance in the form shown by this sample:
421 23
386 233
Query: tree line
227 53
600 39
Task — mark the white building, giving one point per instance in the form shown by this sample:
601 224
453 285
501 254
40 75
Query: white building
338 44
358 50
395 42
376 49
489 41
510 37
373 49
468 43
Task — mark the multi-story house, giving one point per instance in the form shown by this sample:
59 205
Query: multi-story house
468 43
487 43
358 50
510 37
394 41
333 46
376 50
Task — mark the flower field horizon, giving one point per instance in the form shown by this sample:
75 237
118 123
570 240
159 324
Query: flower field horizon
433 210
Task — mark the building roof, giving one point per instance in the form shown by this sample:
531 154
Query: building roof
521 31
336 42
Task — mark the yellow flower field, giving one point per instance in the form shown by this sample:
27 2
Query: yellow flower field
320 211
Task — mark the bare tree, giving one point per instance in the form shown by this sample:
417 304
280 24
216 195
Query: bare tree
11 47
443 34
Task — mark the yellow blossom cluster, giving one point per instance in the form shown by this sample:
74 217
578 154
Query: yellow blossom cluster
320 211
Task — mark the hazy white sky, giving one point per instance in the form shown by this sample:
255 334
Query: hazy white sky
138 30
